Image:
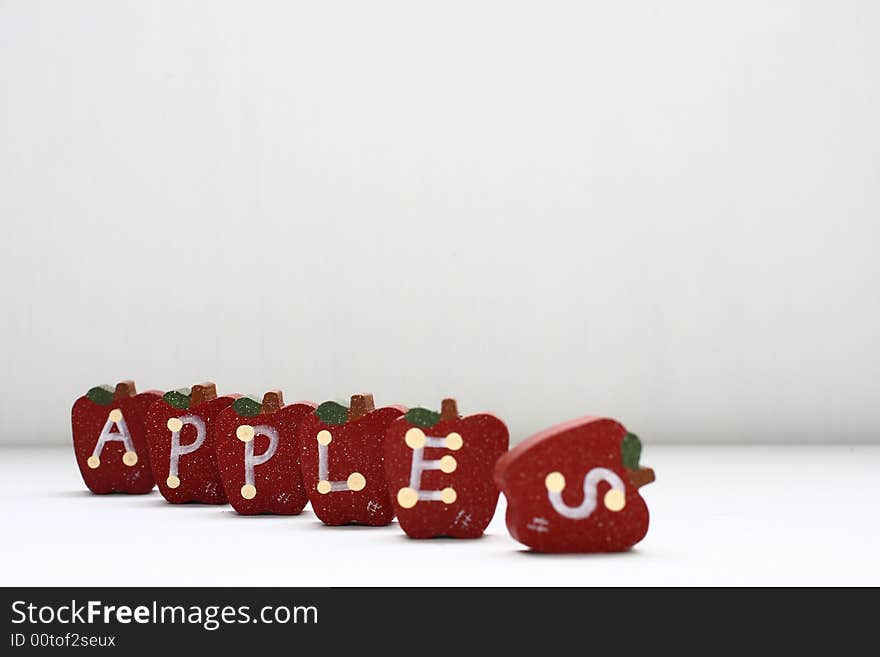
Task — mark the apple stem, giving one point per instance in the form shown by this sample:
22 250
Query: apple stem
360 406
201 393
124 390
641 477
272 401
448 410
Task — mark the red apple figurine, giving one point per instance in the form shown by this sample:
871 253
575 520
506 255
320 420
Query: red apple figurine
574 488
258 454
109 438
181 439
439 467
341 456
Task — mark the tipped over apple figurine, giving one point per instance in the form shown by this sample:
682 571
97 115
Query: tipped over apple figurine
342 461
258 454
181 440
439 470
575 488
109 438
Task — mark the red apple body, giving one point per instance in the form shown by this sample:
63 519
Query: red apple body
121 464
273 485
568 491
192 476
352 489
439 469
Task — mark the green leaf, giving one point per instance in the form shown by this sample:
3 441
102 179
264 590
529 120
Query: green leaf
247 406
101 395
631 451
179 399
422 417
331 412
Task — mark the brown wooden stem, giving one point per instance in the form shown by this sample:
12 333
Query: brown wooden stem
272 401
201 393
360 406
124 390
448 410
640 477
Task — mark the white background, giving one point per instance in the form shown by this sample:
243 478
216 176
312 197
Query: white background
663 212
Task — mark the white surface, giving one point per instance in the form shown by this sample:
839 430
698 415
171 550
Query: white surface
720 515
663 212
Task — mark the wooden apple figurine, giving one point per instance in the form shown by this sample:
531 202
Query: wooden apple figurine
109 438
574 488
258 454
341 456
439 470
181 440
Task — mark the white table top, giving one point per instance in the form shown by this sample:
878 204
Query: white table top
720 515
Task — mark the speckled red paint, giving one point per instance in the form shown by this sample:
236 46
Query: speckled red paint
572 449
198 473
484 438
357 446
112 475
278 481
